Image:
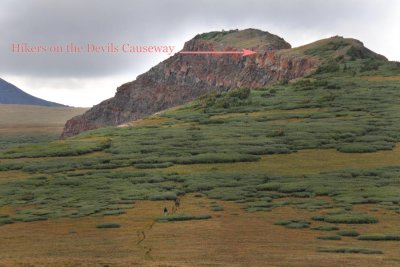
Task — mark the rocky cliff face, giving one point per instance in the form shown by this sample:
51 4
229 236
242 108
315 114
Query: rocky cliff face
182 78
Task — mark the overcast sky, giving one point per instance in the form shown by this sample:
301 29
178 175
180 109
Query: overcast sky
85 79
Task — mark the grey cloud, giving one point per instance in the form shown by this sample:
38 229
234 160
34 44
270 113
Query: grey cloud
156 22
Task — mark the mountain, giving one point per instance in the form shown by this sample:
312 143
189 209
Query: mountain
182 78
10 94
296 162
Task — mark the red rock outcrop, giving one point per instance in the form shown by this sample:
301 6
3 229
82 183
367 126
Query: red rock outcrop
182 77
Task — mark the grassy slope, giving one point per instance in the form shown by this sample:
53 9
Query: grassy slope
24 124
36 116
323 149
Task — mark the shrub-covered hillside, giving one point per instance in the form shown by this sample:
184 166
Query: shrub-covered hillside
331 134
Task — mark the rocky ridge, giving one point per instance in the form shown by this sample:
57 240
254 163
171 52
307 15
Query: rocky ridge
182 78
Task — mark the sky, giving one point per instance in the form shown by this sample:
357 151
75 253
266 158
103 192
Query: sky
85 79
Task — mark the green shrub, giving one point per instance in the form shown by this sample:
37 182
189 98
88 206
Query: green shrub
34 218
268 151
227 193
365 147
326 228
6 221
351 233
217 208
311 204
294 224
359 53
370 64
256 209
27 196
153 165
276 133
225 100
262 203
332 86
283 222
241 93
269 186
113 212
273 91
183 217
292 188
329 237
350 250
108 225
328 67
218 158
164 196
350 218
124 201
379 237
318 217
68 182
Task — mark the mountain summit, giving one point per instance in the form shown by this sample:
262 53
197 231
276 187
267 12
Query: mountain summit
10 94
251 39
183 77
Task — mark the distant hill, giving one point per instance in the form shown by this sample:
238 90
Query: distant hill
30 124
10 94
33 116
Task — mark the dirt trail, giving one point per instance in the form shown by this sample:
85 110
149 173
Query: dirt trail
141 234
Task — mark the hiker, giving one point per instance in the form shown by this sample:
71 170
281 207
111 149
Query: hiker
165 211
177 203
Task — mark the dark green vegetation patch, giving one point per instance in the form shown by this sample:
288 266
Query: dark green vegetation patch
347 218
56 149
379 237
325 228
350 250
352 233
294 224
108 225
183 217
329 237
